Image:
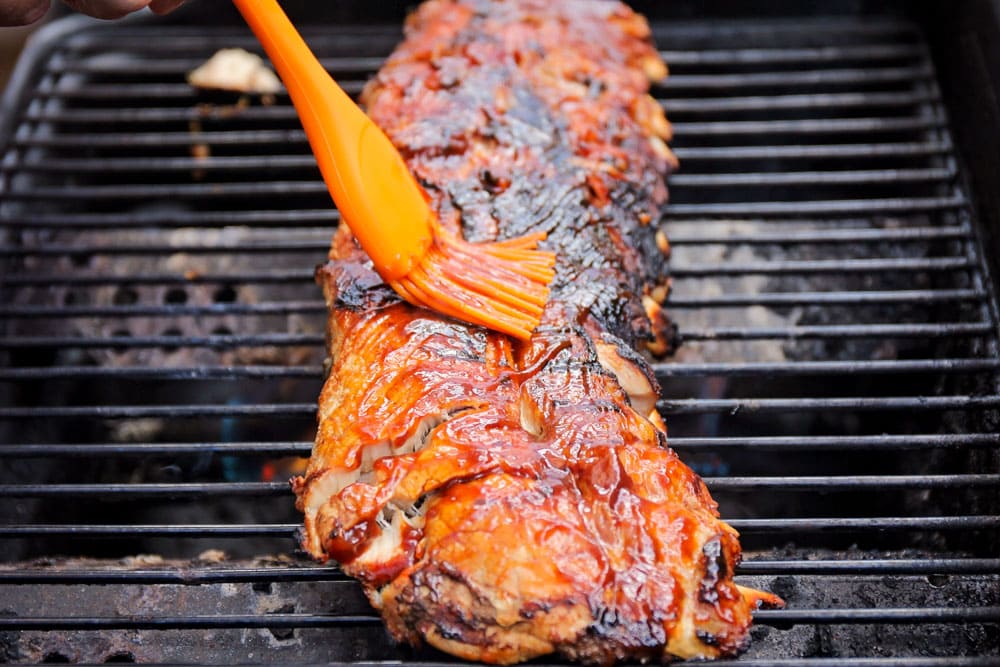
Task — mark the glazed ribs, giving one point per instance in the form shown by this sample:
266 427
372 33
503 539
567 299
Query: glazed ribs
500 499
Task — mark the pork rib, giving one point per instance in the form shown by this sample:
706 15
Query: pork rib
499 499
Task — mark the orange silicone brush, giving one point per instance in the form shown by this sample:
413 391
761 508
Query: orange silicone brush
501 285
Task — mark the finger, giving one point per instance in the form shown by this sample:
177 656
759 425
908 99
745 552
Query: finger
107 9
22 12
164 6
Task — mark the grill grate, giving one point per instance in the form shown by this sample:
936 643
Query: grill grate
161 349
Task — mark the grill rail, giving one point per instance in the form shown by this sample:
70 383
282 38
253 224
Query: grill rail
837 387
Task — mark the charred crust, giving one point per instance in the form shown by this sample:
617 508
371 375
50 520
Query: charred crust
737 646
429 602
706 638
300 539
354 286
715 568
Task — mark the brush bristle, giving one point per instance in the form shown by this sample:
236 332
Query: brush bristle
501 286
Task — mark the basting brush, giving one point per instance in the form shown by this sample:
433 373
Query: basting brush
502 285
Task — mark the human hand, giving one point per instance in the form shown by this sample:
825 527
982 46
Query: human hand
23 12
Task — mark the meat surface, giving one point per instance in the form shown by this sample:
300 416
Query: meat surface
499 499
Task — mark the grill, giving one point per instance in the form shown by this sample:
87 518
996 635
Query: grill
161 349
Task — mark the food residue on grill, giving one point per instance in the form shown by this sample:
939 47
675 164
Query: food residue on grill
236 70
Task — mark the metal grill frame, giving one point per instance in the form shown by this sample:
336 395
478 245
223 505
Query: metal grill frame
962 228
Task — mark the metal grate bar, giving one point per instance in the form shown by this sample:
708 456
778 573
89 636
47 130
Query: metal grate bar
808 126
850 483
901 566
825 367
186 576
303 448
894 661
261 163
214 341
147 92
811 152
140 490
115 117
702 105
297 138
825 54
781 617
168 310
327 217
77 280
676 82
133 140
815 77
803 525
827 298
320 245
662 370
186 38
175 411
218 621
767 299
278 245
936 330
160 372
921 615
199 531
814 178
181 66
872 100
293 188
921 523
819 207
674 406
853 403
191 576
842 443
853 235
120 93
127 492
719 333
308 218
105 165
706 105
726 57
187 191
149 449
886 661
921 264
826 266
830 27
352 39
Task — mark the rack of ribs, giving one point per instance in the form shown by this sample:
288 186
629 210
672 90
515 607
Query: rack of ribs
502 499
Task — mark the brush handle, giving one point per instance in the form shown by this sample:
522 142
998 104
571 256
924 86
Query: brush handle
372 187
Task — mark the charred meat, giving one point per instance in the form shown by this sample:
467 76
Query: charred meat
500 499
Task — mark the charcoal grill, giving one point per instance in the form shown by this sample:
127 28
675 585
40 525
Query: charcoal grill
837 386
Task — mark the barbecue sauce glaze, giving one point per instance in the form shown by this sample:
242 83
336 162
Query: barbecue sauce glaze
500 499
